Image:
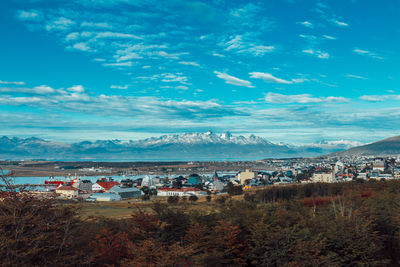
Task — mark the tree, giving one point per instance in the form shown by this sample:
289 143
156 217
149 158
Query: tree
31 229
220 246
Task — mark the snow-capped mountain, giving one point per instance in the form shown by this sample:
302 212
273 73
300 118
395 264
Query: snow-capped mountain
338 144
186 146
203 138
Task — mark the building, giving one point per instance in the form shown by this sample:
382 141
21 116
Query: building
324 177
85 185
125 192
103 186
148 182
339 167
379 165
165 192
246 175
104 197
194 179
215 185
67 191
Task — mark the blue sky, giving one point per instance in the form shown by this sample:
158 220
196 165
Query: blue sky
294 71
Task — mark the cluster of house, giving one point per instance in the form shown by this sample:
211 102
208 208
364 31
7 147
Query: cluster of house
363 168
106 189
102 190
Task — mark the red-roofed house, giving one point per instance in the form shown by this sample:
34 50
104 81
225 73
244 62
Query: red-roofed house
103 186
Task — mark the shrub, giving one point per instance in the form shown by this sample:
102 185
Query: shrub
193 198
221 200
145 197
173 199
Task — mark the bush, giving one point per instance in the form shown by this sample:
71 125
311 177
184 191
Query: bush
221 200
208 198
145 197
173 199
234 189
193 198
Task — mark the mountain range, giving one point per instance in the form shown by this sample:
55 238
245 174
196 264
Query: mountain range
186 146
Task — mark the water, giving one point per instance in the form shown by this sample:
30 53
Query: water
4 172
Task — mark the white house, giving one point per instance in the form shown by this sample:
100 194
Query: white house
166 192
324 177
67 191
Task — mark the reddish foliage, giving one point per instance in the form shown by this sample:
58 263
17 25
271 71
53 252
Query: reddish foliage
366 194
110 247
315 202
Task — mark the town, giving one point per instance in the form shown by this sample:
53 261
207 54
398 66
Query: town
196 179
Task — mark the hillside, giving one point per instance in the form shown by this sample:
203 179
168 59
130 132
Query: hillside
388 146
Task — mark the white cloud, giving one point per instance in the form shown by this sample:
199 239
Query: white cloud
170 55
11 83
77 89
379 98
72 36
329 37
170 77
233 80
82 47
120 64
215 54
355 77
340 23
129 56
102 25
182 87
308 37
258 50
239 45
121 87
317 53
43 89
189 63
8 100
29 15
116 35
60 24
268 77
366 53
307 24
275 98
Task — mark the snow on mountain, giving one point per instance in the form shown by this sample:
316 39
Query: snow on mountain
337 144
203 138
186 146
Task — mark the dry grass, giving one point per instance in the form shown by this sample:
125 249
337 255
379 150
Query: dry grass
124 209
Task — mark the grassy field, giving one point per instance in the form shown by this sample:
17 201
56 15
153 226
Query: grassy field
124 209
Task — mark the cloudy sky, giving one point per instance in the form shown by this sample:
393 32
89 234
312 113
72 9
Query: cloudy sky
294 71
